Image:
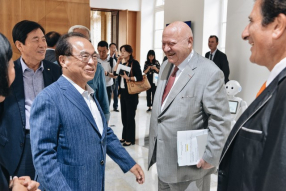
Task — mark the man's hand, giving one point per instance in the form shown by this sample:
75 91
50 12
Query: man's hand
138 172
24 183
203 164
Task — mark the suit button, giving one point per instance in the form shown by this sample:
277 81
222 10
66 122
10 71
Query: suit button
159 120
102 162
21 144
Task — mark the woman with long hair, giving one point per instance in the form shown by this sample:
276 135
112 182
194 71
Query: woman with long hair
128 101
7 76
151 66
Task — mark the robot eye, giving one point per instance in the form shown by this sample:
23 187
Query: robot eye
231 87
226 86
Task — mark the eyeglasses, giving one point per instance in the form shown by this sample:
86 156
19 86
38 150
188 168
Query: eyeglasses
85 57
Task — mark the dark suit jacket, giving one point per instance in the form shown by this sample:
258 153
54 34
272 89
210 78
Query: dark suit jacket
12 116
50 55
254 155
220 60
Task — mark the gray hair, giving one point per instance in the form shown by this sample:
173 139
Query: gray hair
78 27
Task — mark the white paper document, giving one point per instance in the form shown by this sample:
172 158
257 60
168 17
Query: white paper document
191 146
122 67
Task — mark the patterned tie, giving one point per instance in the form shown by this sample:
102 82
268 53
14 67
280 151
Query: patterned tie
170 83
211 56
261 89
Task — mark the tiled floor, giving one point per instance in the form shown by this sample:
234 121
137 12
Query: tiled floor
115 179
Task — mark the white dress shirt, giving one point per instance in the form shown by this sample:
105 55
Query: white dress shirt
181 67
276 70
212 54
87 95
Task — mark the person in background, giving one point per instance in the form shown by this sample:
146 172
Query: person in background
254 155
52 39
151 66
98 82
113 54
7 76
108 63
32 75
218 57
70 133
128 101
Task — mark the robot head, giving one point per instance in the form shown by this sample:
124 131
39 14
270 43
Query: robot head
232 87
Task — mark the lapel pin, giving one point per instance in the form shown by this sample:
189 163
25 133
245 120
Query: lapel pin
48 68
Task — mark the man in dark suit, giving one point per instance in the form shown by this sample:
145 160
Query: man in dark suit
254 155
32 75
70 133
218 57
52 39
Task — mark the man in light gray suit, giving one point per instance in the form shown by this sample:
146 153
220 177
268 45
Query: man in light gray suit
191 98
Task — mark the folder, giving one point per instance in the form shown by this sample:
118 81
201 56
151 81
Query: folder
191 146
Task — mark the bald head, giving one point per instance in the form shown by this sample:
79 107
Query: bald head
181 28
177 42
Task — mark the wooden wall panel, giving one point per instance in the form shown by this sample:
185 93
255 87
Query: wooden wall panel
131 31
122 32
53 15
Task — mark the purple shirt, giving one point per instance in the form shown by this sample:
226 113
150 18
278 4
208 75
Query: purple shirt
33 84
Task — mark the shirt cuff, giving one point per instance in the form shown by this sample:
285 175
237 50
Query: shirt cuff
135 79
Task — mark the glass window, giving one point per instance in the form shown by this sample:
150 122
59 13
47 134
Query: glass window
159 20
160 2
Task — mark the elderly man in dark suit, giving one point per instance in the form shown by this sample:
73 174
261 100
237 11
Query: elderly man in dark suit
254 155
33 74
218 57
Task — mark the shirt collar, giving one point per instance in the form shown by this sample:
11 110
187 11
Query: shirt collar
24 65
276 70
186 61
88 89
213 52
50 49
107 58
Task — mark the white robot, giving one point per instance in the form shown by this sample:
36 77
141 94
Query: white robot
236 105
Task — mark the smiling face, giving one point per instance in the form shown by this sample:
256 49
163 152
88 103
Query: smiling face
177 42
73 67
34 49
259 37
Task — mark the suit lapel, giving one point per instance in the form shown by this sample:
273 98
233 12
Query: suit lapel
255 106
18 89
71 93
47 74
184 78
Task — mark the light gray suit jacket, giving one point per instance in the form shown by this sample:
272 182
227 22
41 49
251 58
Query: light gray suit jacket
198 100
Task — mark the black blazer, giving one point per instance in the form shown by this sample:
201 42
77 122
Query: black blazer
135 71
12 116
221 61
253 157
50 56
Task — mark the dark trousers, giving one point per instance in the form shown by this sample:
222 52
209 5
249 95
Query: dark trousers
128 110
109 91
26 166
150 95
115 94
